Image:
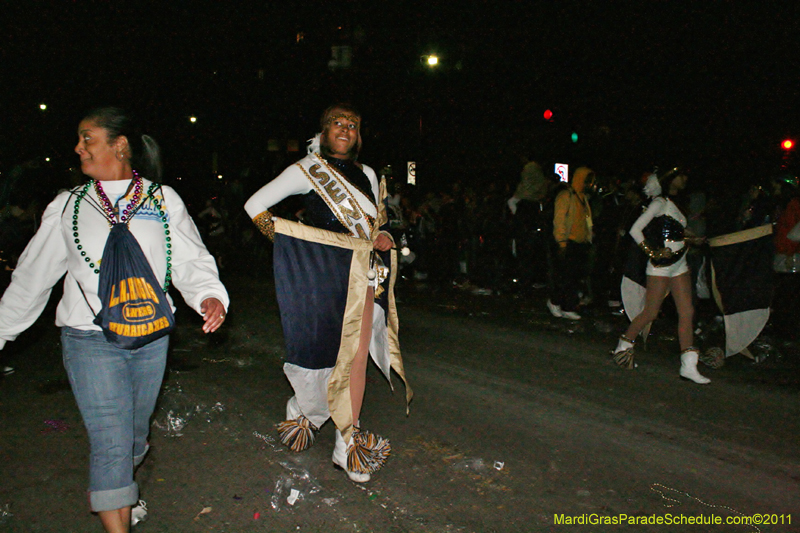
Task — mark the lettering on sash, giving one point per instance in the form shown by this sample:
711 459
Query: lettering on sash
350 213
336 193
361 233
321 177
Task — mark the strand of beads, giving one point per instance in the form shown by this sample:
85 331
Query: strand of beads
161 213
165 221
107 205
75 212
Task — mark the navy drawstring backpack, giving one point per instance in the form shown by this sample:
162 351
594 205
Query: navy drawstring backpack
135 310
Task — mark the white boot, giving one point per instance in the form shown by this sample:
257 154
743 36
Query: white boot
340 459
293 409
689 371
623 344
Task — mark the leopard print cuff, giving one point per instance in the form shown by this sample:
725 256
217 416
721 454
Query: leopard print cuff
265 224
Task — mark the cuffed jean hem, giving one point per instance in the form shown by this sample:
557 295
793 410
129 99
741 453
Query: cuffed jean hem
109 500
139 459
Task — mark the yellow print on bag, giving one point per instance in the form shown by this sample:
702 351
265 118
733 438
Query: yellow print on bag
139 311
131 289
139 330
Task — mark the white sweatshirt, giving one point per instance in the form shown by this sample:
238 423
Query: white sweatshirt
52 252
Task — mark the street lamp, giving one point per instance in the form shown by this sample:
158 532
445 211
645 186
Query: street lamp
193 119
431 60
43 107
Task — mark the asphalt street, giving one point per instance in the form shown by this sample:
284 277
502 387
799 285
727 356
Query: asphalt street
519 423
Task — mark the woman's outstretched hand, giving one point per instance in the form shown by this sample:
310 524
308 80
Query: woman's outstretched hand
213 314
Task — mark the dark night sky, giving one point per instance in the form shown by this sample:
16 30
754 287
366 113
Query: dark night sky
710 84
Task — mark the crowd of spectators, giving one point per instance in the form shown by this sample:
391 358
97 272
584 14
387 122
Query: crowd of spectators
488 239
496 236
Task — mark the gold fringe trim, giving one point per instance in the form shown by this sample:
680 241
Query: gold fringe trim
297 434
368 453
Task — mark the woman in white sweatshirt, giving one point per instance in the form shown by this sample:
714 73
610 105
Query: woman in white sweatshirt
115 388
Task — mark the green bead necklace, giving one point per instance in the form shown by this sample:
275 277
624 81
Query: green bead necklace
161 213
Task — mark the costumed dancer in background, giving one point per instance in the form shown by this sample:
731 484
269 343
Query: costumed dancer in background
660 234
115 388
334 279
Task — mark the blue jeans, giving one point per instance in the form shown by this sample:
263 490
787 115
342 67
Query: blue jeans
116 392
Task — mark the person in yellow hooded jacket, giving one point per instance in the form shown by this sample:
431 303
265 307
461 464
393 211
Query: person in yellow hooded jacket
572 231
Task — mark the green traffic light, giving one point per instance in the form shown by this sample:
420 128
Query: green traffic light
574 137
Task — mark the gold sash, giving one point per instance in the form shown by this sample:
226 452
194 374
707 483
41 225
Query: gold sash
335 190
339 402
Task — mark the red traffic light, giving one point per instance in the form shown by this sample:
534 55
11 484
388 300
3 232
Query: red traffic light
788 144
548 115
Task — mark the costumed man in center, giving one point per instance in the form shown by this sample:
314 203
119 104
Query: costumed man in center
334 279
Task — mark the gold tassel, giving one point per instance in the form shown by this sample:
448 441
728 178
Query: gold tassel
624 358
297 434
368 452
